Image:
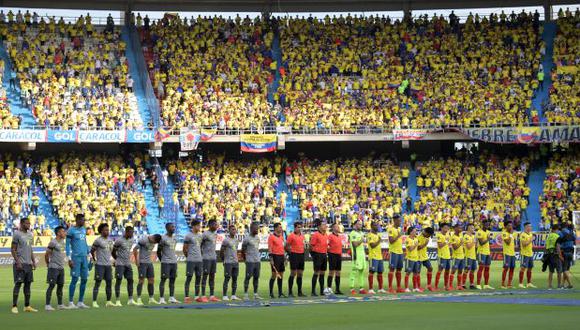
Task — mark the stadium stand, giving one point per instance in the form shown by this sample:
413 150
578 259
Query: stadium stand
564 104
561 189
72 75
472 189
346 190
105 188
15 188
348 71
211 71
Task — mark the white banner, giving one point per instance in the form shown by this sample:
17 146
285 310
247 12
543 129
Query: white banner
22 135
101 136
189 139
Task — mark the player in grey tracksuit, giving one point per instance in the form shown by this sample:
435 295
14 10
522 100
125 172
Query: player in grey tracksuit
55 258
122 255
251 254
101 254
192 253
229 254
209 256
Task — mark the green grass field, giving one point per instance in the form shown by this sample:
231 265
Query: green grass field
365 315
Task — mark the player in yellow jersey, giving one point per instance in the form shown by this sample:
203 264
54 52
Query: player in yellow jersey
396 258
423 241
471 259
413 264
526 255
444 256
484 235
509 255
375 258
458 256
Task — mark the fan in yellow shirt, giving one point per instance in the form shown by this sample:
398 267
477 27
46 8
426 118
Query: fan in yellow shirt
527 256
456 242
375 257
413 263
509 254
444 256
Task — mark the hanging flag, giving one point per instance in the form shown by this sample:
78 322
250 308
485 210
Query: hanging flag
189 139
161 134
258 143
207 133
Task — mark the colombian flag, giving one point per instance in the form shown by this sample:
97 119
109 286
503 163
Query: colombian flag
527 135
258 143
207 134
161 135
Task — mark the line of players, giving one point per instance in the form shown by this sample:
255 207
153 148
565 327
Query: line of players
456 251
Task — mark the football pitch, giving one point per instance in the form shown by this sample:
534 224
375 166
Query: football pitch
516 309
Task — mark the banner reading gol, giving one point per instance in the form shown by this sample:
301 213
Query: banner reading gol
258 143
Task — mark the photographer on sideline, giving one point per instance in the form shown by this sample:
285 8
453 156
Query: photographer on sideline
568 238
553 256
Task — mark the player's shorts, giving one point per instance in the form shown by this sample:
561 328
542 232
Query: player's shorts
146 270
252 269
527 262
396 261
194 267
55 276
231 270
471 264
23 275
297 261
459 264
168 271
444 263
334 262
80 267
209 266
568 260
319 261
554 263
278 263
124 271
484 259
376 266
509 261
413 266
103 273
426 264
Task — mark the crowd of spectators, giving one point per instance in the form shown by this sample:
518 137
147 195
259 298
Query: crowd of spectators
212 71
105 188
471 189
228 190
72 75
561 195
373 71
564 105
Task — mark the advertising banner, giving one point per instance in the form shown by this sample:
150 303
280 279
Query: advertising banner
145 136
409 134
22 135
101 136
525 135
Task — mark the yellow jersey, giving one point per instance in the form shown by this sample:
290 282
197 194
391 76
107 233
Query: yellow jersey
422 252
458 252
412 255
508 248
483 248
443 252
397 245
469 252
374 253
526 251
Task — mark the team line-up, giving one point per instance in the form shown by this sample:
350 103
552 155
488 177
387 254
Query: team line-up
462 252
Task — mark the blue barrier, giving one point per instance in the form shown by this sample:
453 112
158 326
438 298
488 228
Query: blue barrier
77 136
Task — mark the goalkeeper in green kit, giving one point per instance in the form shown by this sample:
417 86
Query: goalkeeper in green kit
359 264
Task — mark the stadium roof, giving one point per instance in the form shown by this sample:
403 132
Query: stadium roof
276 5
